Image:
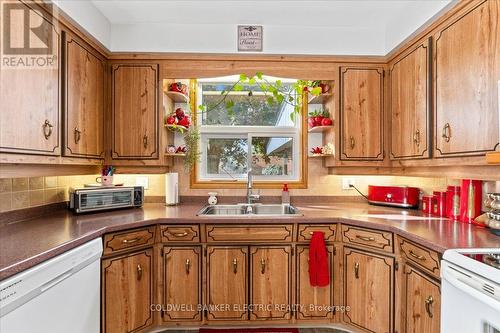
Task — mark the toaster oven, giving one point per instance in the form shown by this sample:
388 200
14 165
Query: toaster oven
396 196
91 199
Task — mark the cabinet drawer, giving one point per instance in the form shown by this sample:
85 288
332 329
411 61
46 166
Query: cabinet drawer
381 240
306 230
180 233
275 233
420 256
120 241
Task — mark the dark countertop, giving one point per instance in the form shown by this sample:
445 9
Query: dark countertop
26 243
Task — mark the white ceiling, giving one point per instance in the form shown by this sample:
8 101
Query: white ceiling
371 27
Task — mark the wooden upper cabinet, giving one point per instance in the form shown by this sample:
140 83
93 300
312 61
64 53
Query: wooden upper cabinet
227 282
30 94
271 281
422 302
85 79
467 79
410 104
368 290
361 113
127 292
182 283
135 111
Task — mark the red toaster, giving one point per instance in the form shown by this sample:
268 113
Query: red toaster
398 196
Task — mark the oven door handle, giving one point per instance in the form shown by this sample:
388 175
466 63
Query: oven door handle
468 284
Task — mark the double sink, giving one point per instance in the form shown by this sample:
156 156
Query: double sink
249 210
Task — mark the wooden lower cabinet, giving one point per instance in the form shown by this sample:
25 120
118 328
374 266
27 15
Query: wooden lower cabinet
313 302
271 279
182 283
368 290
127 292
422 302
227 282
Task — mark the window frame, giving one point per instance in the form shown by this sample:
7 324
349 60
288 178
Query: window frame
197 181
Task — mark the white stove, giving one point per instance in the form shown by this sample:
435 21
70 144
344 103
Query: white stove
470 287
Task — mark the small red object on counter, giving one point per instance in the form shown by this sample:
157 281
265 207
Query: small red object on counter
453 202
427 204
439 205
470 200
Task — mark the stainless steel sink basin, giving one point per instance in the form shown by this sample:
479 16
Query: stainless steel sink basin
249 210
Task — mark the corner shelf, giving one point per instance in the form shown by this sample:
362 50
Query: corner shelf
177 96
176 128
175 155
319 129
319 99
320 155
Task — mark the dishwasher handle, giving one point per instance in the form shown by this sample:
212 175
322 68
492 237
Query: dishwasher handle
61 277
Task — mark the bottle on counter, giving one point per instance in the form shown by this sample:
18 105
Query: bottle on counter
285 195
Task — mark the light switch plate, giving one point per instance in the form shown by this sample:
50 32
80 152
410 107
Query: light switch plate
142 181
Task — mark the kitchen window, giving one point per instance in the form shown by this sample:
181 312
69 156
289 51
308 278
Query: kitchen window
250 134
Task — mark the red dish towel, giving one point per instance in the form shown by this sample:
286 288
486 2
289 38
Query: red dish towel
319 275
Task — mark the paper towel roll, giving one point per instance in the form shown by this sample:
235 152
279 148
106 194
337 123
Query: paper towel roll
171 188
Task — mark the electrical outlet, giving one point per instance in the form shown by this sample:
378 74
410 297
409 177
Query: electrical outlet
347 182
142 181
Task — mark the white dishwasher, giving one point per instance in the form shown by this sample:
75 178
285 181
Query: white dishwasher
60 295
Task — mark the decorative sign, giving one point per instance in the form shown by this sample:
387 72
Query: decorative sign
250 38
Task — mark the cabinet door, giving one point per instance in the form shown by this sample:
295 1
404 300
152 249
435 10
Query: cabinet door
410 108
361 113
29 83
314 302
182 267
135 111
85 71
127 292
368 290
467 79
270 287
422 302
227 282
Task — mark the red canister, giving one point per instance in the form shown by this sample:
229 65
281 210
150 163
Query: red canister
453 202
439 207
427 204
470 200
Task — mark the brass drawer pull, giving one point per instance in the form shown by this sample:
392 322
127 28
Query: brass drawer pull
446 132
262 266
352 142
356 270
428 303
179 234
139 272
416 138
188 266
235 266
47 129
128 241
416 256
77 135
145 140
365 238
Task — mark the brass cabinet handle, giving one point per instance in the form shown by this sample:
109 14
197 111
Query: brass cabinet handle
77 135
356 270
416 256
262 266
47 129
235 266
179 234
188 265
145 140
416 138
365 238
139 272
446 132
128 241
352 142
428 303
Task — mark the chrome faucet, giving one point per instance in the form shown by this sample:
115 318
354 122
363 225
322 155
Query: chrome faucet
251 197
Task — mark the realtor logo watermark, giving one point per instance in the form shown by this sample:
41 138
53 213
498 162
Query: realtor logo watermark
27 37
